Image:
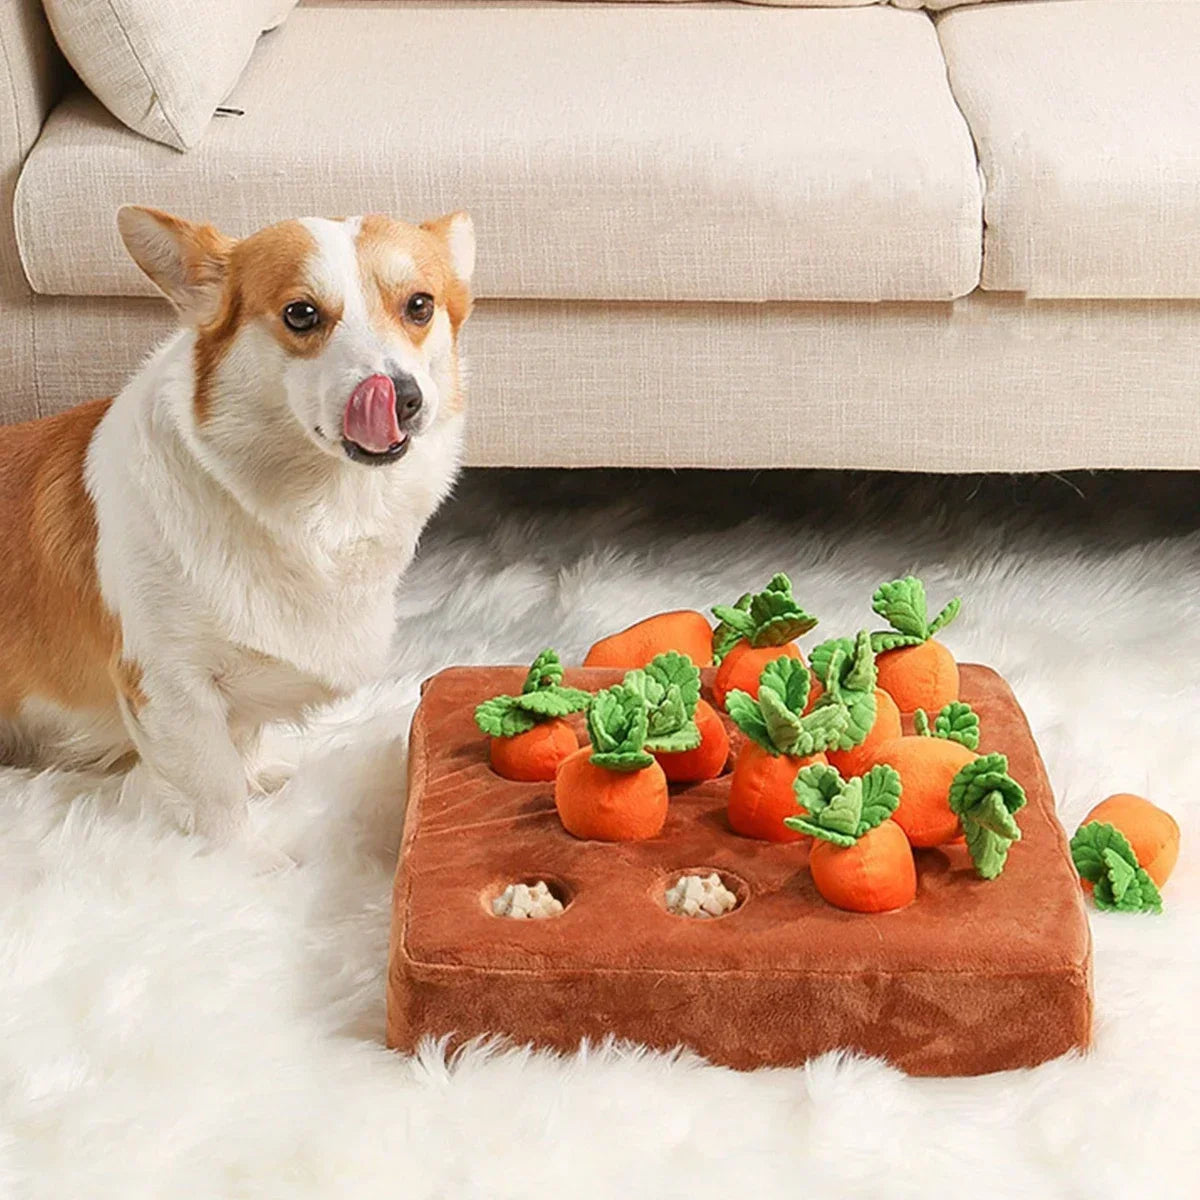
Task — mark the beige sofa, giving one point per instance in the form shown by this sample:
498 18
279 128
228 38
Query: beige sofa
711 234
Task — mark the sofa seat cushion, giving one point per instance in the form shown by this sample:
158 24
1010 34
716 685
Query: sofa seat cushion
606 152
1087 120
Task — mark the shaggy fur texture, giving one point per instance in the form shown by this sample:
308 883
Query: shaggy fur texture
173 1025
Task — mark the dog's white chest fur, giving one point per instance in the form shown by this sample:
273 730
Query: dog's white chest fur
283 600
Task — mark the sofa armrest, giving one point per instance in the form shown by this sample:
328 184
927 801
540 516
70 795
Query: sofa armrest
32 73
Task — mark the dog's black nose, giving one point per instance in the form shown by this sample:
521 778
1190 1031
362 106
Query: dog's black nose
408 397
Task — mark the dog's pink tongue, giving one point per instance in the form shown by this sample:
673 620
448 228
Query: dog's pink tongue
370 418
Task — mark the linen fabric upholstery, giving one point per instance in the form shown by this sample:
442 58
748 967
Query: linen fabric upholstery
1086 117
835 165
989 383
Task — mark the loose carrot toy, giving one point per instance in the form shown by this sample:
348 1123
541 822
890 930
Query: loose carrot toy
928 764
1108 864
752 632
780 742
1125 851
914 669
613 790
847 668
529 736
686 631
948 790
860 861
1151 831
686 750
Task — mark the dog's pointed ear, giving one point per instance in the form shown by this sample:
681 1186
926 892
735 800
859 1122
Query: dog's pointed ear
456 231
186 262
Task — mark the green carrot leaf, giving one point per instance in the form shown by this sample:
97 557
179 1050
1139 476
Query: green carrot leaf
670 728
921 723
675 668
553 702
986 798
1126 889
901 603
945 616
746 714
789 680
822 656
1089 845
958 722
1103 856
734 623
859 674
542 698
881 791
784 726
669 709
820 791
849 678
500 717
816 787
821 729
844 811
888 639
546 671
617 722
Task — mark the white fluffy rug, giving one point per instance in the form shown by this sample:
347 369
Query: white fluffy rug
173 1026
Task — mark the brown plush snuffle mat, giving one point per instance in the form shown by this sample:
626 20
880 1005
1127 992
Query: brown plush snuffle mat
972 977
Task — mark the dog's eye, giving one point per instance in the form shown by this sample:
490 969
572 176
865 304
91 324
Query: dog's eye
419 308
300 316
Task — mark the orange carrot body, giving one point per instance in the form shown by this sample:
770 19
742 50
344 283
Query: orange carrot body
924 676
1151 832
876 874
533 756
761 795
685 631
743 665
708 760
610 806
927 766
860 759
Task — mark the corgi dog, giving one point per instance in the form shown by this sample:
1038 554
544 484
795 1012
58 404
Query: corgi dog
218 546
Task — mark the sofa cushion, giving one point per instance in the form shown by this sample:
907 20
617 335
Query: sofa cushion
162 66
606 152
1086 116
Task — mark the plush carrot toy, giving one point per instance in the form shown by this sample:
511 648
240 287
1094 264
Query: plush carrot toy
752 632
860 861
1124 852
781 740
846 668
915 669
684 734
1151 831
685 631
928 764
529 737
1105 860
613 790
949 791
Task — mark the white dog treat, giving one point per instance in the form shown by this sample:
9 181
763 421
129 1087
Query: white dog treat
521 901
700 896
